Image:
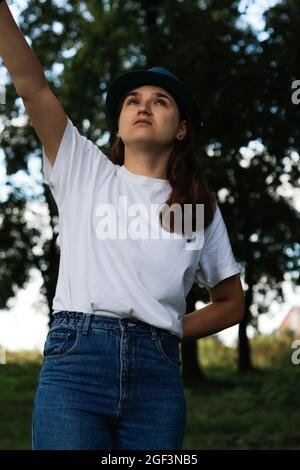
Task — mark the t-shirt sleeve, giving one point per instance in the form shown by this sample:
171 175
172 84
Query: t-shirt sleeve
76 164
216 260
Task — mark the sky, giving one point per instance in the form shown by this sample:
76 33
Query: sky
24 325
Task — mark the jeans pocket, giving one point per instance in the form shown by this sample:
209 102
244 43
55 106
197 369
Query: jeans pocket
61 341
168 348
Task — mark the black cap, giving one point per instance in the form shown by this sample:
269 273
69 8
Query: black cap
159 76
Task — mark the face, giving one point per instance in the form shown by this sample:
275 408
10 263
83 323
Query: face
156 106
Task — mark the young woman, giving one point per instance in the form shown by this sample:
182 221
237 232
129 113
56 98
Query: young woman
111 376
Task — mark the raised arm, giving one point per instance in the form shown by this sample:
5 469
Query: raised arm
44 109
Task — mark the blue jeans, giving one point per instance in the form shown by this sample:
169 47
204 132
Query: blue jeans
108 383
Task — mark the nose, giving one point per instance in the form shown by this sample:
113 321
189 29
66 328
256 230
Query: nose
144 108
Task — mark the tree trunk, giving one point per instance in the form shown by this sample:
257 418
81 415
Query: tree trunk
192 373
244 361
244 350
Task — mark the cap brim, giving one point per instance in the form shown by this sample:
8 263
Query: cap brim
129 80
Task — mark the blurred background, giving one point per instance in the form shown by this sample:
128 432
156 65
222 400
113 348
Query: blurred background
241 61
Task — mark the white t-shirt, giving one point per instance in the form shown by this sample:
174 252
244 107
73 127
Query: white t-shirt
144 278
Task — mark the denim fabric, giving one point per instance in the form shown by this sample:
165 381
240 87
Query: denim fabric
108 383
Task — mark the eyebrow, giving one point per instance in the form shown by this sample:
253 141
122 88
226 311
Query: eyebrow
155 93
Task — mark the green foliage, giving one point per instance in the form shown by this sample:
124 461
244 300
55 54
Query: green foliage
272 351
268 351
213 353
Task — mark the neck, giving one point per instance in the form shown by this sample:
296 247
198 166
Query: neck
147 162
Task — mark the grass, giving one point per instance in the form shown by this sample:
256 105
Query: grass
257 410
17 385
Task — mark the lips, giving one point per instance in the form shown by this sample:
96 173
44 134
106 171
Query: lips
142 121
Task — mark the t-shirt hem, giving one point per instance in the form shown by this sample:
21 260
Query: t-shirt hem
227 272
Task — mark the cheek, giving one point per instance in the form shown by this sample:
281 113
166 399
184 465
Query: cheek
168 127
125 119
123 122
170 121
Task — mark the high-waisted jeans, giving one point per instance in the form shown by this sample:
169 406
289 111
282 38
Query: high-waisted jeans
108 383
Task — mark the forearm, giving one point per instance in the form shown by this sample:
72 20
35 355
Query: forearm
211 319
22 64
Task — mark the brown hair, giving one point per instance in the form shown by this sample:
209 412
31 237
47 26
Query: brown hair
184 174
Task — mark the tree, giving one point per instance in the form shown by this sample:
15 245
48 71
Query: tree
83 45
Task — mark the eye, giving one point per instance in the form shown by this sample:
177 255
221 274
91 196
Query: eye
161 101
132 100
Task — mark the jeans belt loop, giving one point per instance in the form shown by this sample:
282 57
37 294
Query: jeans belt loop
153 332
86 323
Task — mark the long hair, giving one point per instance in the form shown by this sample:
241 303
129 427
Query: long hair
184 174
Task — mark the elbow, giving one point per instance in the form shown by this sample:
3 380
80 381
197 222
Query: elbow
236 310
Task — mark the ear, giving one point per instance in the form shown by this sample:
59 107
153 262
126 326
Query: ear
182 130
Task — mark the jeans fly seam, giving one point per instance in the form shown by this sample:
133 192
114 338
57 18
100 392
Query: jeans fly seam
121 370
